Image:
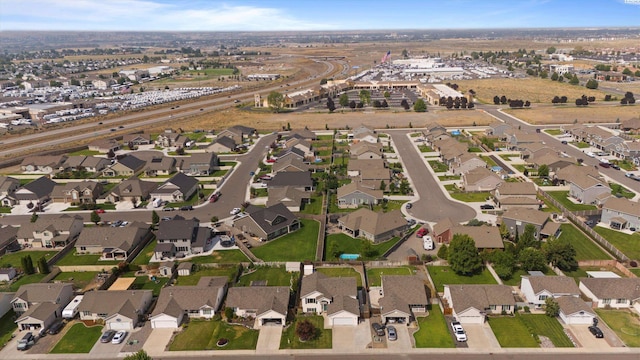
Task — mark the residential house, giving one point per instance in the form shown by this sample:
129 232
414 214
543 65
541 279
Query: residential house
353 195
373 226
293 198
434 127
516 219
628 150
74 163
467 162
567 174
43 164
498 129
403 298
171 139
119 309
267 223
300 180
104 145
535 150
180 237
292 152
480 179
223 144
363 133
94 164
334 297
238 133
8 239
113 243
36 192
631 125
156 163
442 231
39 305
126 166
621 213
366 150
289 164
575 311
136 139
179 188
6 275
50 232
587 189
537 289
199 164
516 139
132 189
450 150
83 192
470 304
303 145
485 237
370 172
516 194
266 304
553 162
601 138
200 301
8 187
303 134
437 135
616 293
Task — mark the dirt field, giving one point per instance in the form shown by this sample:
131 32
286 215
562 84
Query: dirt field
567 114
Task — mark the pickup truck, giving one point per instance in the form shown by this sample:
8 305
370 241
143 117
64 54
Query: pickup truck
458 331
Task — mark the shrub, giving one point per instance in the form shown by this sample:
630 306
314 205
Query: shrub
526 309
633 264
305 330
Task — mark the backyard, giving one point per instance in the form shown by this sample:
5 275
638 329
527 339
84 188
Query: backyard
204 334
433 332
73 258
628 244
145 283
511 332
7 327
344 244
515 278
229 256
79 279
201 271
145 254
25 279
314 206
550 327
624 323
586 249
341 272
562 198
374 274
79 339
444 275
14 259
323 339
274 276
297 246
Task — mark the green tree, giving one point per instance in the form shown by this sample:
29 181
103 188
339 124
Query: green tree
405 53
43 267
228 313
392 187
34 217
443 252
140 355
560 253
504 231
387 95
554 76
275 101
503 264
532 259
626 71
527 239
383 186
404 187
574 79
27 265
365 96
305 330
551 307
551 50
155 218
420 106
463 255
95 218
543 170
592 84
344 100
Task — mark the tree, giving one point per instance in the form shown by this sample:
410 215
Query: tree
27 265
405 104
387 95
95 218
404 187
626 71
383 186
551 307
331 105
34 217
527 239
532 259
420 106
574 79
503 99
560 253
592 84
43 267
554 76
275 101
443 252
463 255
504 231
140 355
344 100
305 330
503 264
405 53
155 218
377 104
365 96
551 50
543 170
352 104
496 100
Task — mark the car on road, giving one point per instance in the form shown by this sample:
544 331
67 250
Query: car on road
100 123
590 154
604 165
409 206
235 211
487 207
201 109
236 101
107 336
458 331
116 223
564 142
392 334
124 223
168 208
119 337
186 208
379 329
112 129
99 211
615 167
214 197
166 218
121 127
596 332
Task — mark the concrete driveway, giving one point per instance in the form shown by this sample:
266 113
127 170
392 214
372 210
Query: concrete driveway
586 340
157 341
351 339
269 339
404 339
110 349
480 337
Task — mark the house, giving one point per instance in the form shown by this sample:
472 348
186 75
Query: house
334 297
303 134
481 179
616 293
567 174
621 213
289 164
450 150
7 274
516 194
363 133
199 164
266 304
50 232
485 237
8 187
104 145
5 302
179 188
301 144
238 133
467 162
537 289
435 127
200 301
631 125
267 223
293 152
535 150
574 311
553 162
94 164
366 150
516 219
126 166
403 298
38 305
370 172
171 139
587 189
223 144
136 139
83 192
119 309
498 129
113 243
300 180
159 165
43 164
294 199
373 226
516 139
36 192
132 189
628 150
353 195
8 239
180 237
470 304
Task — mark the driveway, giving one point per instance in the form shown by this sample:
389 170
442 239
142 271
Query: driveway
404 339
158 341
480 337
269 339
415 243
586 340
101 349
351 339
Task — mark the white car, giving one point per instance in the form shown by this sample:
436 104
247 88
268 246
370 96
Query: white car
119 337
235 211
427 242
590 154
458 331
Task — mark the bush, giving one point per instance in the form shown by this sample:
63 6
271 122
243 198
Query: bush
228 313
305 330
526 309
633 264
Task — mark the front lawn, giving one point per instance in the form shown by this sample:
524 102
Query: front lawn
73 259
344 244
203 335
297 246
79 339
341 272
14 259
231 256
550 327
621 191
374 275
7 327
425 148
438 166
201 271
511 332
581 145
434 332
449 177
442 275
465 196
274 276
628 244
586 249
561 197
554 132
624 323
79 279
323 340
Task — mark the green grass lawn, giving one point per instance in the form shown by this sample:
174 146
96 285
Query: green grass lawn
433 332
275 276
7 327
449 177
78 279
514 280
203 335
314 206
625 324
79 339
297 246
511 332
5 209
195 276
635 271
72 258
85 152
145 254
23 280
561 197
621 191
442 275
323 340
547 326
209 73
13 259
548 206
438 166
232 256
586 249
488 160
374 274
465 196
345 244
425 148
554 132
341 272
628 244
581 145
144 283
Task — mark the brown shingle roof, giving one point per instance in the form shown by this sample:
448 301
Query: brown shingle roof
622 205
373 222
573 304
260 298
609 288
479 297
400 291
530 216
553 284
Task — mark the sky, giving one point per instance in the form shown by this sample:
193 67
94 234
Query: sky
300 15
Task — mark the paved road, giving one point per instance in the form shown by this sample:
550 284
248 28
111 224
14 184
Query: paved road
433 204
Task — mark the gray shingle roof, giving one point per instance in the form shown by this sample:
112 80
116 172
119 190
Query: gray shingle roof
113 301
554 284
479 297
609 288
373 222
41 187
39 292
264 217
260 298
113 237
400 291
190 297
177 228
291 178
573 304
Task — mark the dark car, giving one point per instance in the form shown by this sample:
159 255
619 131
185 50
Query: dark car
379 329
112 129
168 208
604 165
615 167
409 206
55 328
107 336
596 332
186 208
121 127
564 142
487 207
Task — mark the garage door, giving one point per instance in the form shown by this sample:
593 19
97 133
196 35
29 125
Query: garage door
272 321
122 325
160 324
344 321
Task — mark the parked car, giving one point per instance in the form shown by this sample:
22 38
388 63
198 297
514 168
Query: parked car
99 211
596 332
55 328
409 206
119 337
379 329
458 331
26 342
124 223
615 167
604 164
235 211
168 208
107 336
186 208
487 207
116 223
214 197
590 154
166 218
392 334
564 142
422 232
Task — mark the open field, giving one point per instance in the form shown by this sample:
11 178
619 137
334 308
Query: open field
567 114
